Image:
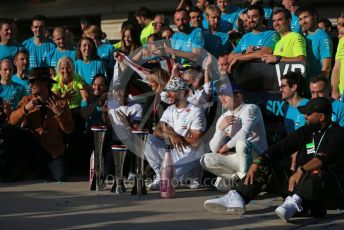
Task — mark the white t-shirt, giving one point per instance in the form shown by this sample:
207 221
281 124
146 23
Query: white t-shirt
182 121
133 109
200 97
249 125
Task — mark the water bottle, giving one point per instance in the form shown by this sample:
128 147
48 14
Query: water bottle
167 174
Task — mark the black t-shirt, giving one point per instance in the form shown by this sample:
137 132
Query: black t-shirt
327 145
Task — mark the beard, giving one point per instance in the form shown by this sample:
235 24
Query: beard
314 126
214 27
254 26
183 28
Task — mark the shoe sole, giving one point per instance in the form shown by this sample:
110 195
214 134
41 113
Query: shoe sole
152 188
281 216
195 187
216 208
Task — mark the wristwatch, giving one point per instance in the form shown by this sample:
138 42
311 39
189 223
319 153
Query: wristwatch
301 168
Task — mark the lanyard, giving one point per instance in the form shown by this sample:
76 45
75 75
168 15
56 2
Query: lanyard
155 110
316 150
155 106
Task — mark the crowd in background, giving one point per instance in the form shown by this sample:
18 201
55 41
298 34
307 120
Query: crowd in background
181 77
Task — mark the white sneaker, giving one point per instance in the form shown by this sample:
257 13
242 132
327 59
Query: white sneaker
155 185
194 184
290 206
131 176
231 203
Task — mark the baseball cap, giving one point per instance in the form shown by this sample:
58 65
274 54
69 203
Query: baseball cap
177 83
229 88
118 84
319 105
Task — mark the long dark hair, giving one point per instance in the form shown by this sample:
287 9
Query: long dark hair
135 39
94 55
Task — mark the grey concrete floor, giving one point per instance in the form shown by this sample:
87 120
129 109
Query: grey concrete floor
38 204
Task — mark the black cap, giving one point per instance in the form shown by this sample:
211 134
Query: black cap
319 105
39 74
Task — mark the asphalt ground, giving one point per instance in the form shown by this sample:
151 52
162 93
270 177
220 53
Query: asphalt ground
37 204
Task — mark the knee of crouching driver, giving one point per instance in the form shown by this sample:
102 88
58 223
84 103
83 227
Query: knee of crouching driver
207 161
241 146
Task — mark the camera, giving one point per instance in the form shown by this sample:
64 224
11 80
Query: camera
38 102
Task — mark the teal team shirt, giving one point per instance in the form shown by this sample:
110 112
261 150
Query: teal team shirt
319 46
88 70
38 54
268 16
232 15
55 55
186 42
9 51
22 82
293 119
267 38
105 53
217 43
12 92
338 112
294 24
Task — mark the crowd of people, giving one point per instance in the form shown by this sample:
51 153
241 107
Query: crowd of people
177 84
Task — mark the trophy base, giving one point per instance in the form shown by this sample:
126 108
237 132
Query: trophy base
118 187
139 188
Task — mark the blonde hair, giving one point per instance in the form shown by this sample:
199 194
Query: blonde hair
160 76
66 59
212 8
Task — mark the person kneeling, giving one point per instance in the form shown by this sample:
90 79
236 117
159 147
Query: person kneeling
239 135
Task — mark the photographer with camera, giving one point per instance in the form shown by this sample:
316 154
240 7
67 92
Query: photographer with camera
43 118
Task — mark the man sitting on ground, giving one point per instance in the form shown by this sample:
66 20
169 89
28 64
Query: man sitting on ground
317 183
183 124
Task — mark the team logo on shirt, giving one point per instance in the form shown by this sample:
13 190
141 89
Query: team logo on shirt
281 49
189 43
